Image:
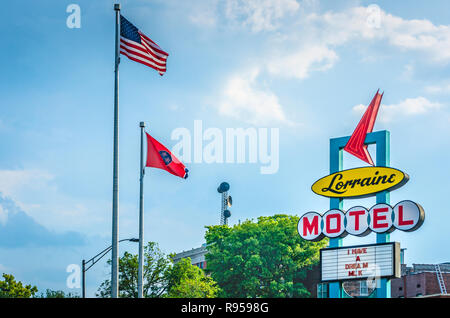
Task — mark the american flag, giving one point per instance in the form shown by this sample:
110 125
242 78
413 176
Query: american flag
140 48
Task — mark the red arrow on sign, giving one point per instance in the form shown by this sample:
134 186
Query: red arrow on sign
355 145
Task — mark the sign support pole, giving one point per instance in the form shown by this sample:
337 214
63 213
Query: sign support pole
383 160
336 164
381 140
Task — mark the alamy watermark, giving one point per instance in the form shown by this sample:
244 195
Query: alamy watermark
234 145
373 16
73 21
74 278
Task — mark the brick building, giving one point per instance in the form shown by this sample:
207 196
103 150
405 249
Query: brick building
421 280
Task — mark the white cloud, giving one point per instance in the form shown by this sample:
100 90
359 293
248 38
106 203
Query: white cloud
260 15
12 182
202 13
308 41
369 24
36 192
302 62
408 107
438 89
321 34
356 24
243 100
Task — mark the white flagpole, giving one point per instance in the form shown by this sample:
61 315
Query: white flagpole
141 218
115 201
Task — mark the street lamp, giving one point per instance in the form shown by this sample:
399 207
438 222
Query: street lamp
94 260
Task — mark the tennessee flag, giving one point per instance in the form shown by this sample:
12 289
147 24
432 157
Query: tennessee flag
160 157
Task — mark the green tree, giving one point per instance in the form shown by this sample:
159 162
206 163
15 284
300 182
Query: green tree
188 281
156 266
263 259
10 288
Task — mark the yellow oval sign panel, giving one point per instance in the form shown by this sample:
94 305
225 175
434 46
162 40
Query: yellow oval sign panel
359 182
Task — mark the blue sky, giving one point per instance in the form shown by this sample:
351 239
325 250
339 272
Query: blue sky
306 67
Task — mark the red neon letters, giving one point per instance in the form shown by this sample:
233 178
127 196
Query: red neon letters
334 223
381 218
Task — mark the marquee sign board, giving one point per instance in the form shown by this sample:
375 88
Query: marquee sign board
359 182
405 216
360 262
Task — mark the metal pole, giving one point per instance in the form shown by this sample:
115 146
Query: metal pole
224 203
383 160
223 220
336 164
83 278
94 260
141 218
115 202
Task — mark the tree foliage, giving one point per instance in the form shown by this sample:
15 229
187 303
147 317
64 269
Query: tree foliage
188 281
263 259
10 288
156 266
162 278
57 294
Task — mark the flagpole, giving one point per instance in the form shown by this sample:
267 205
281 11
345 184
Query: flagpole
115 201
141 218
